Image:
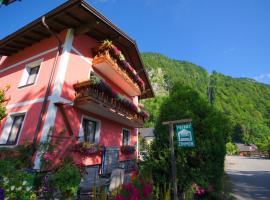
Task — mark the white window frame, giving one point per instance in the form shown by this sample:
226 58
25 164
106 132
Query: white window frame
98 129
7 128
26 71
129 139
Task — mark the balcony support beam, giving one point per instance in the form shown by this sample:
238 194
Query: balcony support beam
63 112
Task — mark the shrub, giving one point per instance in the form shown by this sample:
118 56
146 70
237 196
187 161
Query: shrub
18 185
14 178
203 164
66 180
231 148
140 188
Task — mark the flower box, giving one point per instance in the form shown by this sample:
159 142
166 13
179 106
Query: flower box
127 149
106 65
87 149
107 47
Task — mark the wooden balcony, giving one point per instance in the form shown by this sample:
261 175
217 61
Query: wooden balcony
111 69
90 97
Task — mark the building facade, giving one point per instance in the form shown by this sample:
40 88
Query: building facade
73 75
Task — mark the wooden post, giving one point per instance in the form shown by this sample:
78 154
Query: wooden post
174 173
173 162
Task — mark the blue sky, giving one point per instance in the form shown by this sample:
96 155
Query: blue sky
229 36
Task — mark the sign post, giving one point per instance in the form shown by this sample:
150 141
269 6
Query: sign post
174 171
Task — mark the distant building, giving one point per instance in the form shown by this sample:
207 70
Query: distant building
246 150
147 134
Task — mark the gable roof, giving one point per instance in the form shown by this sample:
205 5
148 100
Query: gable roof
84 19
244 147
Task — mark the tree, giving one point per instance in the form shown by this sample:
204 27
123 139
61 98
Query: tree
231 148
2 102
244 101
203 164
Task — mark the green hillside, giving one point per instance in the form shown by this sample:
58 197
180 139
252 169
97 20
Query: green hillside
244 101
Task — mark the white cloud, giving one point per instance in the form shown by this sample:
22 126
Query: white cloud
263 77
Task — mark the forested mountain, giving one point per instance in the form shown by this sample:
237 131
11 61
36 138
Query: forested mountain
244 101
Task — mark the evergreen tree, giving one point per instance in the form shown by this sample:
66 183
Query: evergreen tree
202 164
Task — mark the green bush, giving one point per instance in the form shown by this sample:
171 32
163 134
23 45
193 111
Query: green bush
18 185
231 148
66 180
14 178
203 164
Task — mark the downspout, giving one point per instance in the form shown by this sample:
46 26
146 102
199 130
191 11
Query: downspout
44 103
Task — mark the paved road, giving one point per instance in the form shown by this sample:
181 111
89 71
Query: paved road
250 177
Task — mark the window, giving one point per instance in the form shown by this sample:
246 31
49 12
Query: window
126 137
12 129
30 73
15 129
89 130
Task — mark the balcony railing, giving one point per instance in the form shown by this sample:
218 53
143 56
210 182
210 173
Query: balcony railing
97 97
111 63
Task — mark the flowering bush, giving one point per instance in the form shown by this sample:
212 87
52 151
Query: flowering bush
87 149
137 189
48 150
198 191
16 182
18 185
127 149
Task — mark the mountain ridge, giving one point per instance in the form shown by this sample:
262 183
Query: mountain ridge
243 100
174 59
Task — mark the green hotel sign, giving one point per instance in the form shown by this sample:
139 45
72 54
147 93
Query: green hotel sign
185 135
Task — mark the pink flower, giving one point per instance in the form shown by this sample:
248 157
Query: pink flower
147 190
46 157
116 50
119 197
134 197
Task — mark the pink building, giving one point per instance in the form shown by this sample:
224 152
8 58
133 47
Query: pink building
65 84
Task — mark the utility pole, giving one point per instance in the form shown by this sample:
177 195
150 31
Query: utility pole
210 90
